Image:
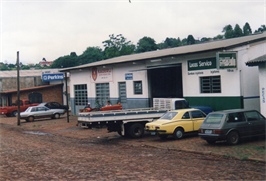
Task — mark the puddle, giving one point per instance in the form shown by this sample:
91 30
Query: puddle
36 132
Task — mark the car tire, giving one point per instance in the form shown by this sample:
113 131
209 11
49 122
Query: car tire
57 116
211 142
136 130
233 138
30 119
178 133
163 136
14 113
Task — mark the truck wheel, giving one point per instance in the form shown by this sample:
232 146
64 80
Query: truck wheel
178 133
31 118
57 116
232 138
136 130
14 113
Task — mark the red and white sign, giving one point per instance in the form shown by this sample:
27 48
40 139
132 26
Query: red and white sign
102 75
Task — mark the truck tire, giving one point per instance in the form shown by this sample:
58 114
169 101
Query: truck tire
136 130
14 113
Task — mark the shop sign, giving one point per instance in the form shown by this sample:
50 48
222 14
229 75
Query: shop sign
52 77
226 60
102 75
201 64
129 76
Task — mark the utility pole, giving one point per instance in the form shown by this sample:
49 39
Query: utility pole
66 96
18 93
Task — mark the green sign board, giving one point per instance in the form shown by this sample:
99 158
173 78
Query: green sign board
226 60
201 64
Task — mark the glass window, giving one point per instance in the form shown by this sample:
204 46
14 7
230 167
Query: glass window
214 119
235 117
102 94
186 116
210 84
137 87
169 115
252 116
33 109
180 104
197 114
81 96
35 97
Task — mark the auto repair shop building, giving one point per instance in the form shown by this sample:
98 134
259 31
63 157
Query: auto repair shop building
211 74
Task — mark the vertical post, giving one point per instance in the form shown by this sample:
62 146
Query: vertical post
18 93
66 96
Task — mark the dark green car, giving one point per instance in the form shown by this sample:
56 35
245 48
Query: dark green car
232 125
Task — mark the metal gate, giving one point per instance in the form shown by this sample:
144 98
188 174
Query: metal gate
122 93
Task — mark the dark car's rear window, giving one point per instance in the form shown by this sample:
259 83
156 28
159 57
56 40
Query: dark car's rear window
214 119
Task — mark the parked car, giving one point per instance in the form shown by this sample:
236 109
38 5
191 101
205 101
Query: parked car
54 105
36 112
176 123
232 125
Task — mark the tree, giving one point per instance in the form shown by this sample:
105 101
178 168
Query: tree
229 32
190 40
184 41
146 44
64 62
261 29
91 54
218 37
246 29
3 66
170 43
237 31
117 46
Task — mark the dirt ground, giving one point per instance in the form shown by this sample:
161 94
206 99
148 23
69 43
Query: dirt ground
52 149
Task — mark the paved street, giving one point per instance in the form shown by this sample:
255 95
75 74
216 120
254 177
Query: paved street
57 150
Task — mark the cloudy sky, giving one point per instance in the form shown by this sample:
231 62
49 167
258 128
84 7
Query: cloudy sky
53 28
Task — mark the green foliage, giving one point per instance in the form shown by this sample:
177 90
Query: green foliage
25 67
261 29
91 54
117 46
3 66
146 44
218 37
184 41
246 29
190 40
170 43
238 31
64 62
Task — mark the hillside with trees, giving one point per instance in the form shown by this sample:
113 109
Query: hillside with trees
118 45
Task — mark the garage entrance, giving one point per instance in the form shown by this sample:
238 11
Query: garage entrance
165 82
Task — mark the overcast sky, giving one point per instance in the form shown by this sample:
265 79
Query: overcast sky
50 29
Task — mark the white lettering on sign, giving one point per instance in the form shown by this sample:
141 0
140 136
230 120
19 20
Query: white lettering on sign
53 77
193 65
227 61
205 64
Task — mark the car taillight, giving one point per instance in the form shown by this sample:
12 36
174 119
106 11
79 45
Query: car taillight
147 126
200 131
157 127
218 131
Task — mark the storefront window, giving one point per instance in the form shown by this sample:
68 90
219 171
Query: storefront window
210 84
137 87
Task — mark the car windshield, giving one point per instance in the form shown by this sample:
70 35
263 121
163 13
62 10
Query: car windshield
214 119
169 115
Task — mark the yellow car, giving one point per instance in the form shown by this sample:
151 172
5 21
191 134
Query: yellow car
176 123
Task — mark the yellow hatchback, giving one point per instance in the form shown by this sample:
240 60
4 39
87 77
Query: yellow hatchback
176 123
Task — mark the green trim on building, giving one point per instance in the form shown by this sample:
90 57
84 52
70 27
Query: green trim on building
217 103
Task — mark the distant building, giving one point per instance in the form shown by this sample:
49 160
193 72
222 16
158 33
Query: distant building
47 63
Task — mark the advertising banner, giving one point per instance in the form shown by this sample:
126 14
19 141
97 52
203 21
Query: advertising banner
102 75
52 77
226 60
201 64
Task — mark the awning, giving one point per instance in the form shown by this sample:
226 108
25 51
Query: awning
257 61
30 88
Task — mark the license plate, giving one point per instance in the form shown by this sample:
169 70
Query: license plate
208 131
153 133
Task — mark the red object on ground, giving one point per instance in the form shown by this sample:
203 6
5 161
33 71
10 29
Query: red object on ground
113 107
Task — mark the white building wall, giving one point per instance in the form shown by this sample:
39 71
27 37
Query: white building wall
262 78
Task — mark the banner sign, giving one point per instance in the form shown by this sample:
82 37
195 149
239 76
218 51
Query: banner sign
226 60
201 64
52 77
129 76
102 75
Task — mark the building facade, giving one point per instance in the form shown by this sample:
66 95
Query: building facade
211 74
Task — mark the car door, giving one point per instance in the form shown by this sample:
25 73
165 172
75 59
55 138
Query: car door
237 121
43 112
256 123
197 118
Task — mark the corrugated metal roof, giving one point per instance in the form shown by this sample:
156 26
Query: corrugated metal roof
257 61
26 73
30 88
219 44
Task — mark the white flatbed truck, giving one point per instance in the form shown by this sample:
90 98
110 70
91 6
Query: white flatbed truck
130 122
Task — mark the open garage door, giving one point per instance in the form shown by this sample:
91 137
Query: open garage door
165 82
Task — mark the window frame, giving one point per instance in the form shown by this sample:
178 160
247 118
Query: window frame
138 85
210 84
